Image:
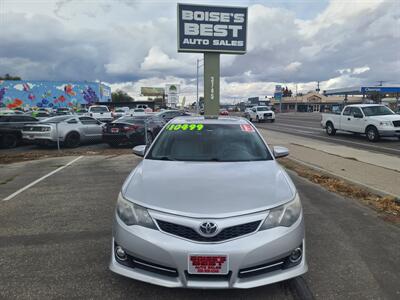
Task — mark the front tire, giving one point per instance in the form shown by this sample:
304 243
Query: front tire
272 120
72 140
330 130
258 119
372 134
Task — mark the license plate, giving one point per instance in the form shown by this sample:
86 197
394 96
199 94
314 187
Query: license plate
31 137
114 130
208 264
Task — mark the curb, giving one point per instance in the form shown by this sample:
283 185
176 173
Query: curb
364 186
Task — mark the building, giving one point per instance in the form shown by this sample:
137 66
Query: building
314 102
28 94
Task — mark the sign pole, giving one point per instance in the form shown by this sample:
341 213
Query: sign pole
211 83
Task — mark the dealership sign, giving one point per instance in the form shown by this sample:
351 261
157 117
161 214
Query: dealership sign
212 29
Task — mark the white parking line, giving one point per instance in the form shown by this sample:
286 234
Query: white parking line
40 179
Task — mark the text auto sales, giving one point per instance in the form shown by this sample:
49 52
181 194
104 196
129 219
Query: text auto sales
213 30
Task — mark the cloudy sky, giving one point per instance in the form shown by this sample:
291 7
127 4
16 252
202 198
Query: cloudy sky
129 43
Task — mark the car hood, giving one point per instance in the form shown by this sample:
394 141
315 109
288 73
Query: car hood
211 189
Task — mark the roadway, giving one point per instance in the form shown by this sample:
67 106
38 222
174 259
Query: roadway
55 239
308 125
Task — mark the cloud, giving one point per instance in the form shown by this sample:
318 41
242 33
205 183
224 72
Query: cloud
157 60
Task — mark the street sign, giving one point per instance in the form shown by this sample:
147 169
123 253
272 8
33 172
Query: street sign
219 29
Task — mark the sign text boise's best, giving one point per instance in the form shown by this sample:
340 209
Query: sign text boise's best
212 29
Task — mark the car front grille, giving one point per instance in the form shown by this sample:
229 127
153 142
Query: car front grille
268 115
225 234
396 123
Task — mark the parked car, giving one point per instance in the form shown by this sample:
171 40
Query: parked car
223 112
120 112
261 113
8 112
130 130
101 113
373 120
72 131
217 237
41 114
63 111
136 112
82 112
168 115
10 129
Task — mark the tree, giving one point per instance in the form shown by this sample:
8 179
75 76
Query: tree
286 92
10 77
120 96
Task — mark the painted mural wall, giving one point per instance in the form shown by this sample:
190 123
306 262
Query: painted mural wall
51 94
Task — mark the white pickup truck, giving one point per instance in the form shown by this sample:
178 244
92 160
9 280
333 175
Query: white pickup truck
260 113
373 120
101 113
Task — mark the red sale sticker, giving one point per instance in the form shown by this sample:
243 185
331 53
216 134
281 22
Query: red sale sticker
247 128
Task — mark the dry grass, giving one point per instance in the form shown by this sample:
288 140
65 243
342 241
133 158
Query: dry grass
6 158
388 206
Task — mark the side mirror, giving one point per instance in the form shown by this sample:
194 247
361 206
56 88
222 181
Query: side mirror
358 116
139 150
73 121
280 151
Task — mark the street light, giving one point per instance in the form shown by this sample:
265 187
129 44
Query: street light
198 65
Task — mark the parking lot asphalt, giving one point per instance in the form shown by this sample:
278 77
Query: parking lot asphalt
55 239
308 125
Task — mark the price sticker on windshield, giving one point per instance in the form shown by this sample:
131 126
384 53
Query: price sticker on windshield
247 128
185 127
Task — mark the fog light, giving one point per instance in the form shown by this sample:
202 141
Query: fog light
120 253
295 256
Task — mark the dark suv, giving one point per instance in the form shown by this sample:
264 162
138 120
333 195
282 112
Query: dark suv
10 129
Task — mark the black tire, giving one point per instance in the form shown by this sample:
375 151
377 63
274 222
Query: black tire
272 120
372 134
10 141
330 130
72 140
257 119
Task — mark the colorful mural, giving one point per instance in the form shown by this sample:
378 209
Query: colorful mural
51 94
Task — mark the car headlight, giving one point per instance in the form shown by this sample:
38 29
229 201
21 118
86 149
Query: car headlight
133 214
284 215
385 123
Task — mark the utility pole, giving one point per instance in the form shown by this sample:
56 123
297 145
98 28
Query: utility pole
197 86
198 66
296 100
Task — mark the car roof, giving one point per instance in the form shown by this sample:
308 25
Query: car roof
205 120
364 105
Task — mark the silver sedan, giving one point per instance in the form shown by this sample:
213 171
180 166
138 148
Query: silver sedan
209 207
71 131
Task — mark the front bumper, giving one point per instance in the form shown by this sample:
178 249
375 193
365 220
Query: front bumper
389 132
169 252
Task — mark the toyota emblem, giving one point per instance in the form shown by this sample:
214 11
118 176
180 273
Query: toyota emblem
208 228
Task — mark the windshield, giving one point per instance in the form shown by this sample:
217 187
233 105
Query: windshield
56 119
209 142
98 109
378 110
264 108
